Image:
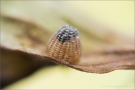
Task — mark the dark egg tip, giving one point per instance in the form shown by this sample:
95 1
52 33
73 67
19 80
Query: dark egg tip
66 32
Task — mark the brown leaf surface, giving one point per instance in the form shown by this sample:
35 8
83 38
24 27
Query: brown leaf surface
103 62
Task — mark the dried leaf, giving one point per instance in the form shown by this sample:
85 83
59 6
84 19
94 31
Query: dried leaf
103 62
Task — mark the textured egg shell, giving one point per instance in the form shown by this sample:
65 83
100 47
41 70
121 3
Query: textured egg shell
69 51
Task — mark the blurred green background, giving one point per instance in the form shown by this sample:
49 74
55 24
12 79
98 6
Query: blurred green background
97 22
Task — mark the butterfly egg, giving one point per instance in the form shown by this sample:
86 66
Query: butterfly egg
65 45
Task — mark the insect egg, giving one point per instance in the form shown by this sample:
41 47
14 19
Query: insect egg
65 45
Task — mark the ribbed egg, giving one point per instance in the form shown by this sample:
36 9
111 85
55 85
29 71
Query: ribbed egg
65 45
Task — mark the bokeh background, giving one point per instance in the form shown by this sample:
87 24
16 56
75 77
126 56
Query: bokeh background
100 23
